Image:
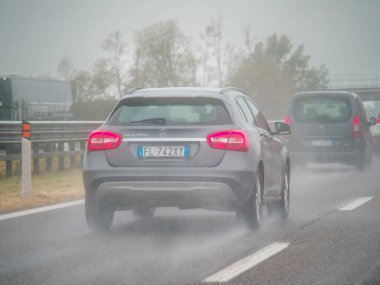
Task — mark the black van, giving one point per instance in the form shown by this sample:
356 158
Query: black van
329 127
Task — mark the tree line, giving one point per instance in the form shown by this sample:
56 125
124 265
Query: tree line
269 71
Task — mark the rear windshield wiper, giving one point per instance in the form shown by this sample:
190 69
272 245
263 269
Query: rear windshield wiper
158 121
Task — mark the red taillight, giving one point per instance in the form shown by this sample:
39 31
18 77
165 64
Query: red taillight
377 120
103 140
356 127
229 140
287 120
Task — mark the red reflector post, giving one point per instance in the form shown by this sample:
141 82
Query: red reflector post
236 140
103 140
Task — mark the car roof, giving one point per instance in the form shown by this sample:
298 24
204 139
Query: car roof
180 91
332 93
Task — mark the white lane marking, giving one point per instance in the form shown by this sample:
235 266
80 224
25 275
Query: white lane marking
246 263
39 210
357 203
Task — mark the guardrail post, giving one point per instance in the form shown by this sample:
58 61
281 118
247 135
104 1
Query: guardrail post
49 159
61 158
36 160
72 157
83 148
9 163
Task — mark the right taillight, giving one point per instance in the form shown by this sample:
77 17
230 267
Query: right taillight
103 140
356 127
229 140
287 120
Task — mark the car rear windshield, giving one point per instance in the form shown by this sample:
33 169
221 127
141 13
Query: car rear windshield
170 111
322 109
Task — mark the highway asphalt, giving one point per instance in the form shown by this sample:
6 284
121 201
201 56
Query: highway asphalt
332 236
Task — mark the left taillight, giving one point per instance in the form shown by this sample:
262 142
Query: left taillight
103 140
229 140
356 127
287 120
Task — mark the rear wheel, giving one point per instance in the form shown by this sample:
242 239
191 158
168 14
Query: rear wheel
99 216
144 212
281 208
363 163
252 211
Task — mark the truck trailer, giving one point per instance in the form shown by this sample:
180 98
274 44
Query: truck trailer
34 99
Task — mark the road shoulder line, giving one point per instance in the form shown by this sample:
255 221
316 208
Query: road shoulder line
40 210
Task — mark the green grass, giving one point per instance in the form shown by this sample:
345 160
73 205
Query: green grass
47 188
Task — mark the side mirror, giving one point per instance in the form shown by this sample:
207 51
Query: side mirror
372 121
281 128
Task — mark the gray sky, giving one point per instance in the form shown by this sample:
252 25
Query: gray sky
36 34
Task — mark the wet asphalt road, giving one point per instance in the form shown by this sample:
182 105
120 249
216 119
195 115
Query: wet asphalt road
326 245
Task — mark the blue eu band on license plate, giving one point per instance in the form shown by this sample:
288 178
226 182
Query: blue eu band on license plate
172 151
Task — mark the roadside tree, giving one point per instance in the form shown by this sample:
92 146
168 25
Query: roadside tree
163 57
272 71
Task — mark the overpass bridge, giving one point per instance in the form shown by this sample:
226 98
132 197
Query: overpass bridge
366 85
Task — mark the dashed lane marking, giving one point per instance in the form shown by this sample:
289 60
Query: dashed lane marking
246 263
39 210
357 203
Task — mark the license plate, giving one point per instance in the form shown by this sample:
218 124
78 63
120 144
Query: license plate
172 151
321 143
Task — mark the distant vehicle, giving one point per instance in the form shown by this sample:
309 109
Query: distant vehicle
23 98
329 127
376 134
186 148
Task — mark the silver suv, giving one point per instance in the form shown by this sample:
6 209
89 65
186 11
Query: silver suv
186 148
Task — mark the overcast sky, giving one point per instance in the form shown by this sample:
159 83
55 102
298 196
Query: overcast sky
36 34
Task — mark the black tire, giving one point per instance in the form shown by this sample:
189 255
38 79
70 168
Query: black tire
360 162
253 208
99 216
281 209
144 212
364 162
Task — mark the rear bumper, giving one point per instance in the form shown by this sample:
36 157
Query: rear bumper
184 195
185 188
350 157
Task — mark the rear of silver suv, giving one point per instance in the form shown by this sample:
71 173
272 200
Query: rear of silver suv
187 148
329 127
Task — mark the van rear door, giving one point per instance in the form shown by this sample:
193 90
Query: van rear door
322 122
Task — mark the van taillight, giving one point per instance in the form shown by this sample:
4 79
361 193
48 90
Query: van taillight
103 140
229 140
287 120
356 127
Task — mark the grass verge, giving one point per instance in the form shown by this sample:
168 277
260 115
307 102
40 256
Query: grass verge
47 189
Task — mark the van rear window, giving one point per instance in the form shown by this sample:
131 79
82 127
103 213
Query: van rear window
170 111
322 109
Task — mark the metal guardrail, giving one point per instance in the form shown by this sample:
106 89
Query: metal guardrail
49 139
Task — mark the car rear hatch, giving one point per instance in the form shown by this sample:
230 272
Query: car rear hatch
322 123
167 132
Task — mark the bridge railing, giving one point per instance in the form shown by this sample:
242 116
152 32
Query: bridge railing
354 81
49 139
